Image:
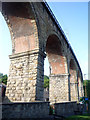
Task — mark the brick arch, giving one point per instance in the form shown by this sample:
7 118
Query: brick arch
80 85
73 80
55 55
72 70
22 25
23 71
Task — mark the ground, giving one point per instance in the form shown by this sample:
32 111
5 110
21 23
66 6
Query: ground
79 117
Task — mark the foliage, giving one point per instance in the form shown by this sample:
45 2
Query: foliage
46 81
1 75
84 100
87 84
3 78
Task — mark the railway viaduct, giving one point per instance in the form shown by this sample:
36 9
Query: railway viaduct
35 34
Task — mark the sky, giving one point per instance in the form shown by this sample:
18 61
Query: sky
5 46
73 18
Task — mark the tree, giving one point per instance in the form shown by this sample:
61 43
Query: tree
1 75
86 85
3 78
46 81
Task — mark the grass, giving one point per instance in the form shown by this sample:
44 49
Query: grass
79 117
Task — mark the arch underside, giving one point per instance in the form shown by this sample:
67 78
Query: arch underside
55 55
21 22
73 81
80 85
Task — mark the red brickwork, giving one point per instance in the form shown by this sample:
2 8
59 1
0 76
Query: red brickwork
73 81
22 21
55 56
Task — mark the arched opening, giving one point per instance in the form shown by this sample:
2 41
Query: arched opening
46 67
80 85
57 68
5 46
73 81
5 51
46 79
55 55
20 17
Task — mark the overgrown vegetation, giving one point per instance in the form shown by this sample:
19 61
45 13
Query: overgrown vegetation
46 81
3 78
86 84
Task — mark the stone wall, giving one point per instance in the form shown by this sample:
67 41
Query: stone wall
40 77
68 109
25 110
58 90
22 84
